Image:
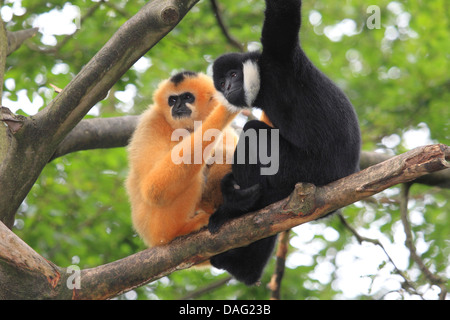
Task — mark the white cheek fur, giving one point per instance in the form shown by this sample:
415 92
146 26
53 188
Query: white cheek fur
251 81
223 101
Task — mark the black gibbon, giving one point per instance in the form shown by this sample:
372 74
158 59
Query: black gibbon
319 135
169 197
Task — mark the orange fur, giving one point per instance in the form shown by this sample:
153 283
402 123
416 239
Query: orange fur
167 199
264 118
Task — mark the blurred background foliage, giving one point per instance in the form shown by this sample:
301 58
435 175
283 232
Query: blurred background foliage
396 75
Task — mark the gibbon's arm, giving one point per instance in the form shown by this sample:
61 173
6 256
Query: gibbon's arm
167 179
279 35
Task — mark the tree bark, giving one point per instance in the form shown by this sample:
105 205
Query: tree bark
16 38
32 141
306 203
116 132
99 133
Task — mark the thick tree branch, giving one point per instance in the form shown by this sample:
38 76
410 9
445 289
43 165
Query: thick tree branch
133 39
437 179
31 146
16 38
116 132
305 204
20 264
98 133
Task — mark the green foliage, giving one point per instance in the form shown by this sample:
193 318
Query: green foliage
77 223
396 76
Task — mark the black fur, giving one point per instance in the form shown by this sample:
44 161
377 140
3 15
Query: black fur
179 77
319 132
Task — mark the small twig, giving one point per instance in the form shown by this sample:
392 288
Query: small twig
64 40
407 284
211 287
118 9
217 13
275 283
409 242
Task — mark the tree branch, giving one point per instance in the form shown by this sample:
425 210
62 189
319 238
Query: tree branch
223 28
122 128
408 285
20 264
275 282
133 39
409 242
211 287
437 179
16 38
305 204
35 142
98 133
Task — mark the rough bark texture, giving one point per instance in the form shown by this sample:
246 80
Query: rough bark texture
27 144
306 203
115 132
16 38
98 133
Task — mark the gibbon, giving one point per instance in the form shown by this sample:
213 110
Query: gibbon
319 135
169 197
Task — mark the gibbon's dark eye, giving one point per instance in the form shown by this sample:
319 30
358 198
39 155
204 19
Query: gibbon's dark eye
172 100
222 84
188 97
233 74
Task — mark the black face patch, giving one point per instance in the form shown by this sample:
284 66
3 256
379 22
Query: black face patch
179 106
179 77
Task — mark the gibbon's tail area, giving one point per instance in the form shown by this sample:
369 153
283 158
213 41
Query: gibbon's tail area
170 198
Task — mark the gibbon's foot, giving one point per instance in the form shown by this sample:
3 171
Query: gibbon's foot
228 184
235 198
243 199
216 220
236 203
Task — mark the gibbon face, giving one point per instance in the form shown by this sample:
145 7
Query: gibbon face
184 98
237 77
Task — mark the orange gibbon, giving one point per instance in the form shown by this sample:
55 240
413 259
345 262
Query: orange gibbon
172 185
